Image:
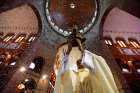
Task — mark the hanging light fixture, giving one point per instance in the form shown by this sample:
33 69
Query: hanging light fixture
72 5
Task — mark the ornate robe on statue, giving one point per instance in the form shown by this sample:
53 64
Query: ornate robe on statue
96 77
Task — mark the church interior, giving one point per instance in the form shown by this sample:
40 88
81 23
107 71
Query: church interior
69 46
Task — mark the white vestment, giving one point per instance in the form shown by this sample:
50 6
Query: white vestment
95 78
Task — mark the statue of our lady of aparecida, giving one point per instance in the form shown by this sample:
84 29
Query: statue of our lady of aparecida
81 71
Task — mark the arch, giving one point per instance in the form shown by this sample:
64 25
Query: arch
121 42
117 22
108 10
134 42
22 19
5 38
21 37
108 40
32 37
38 17
133 39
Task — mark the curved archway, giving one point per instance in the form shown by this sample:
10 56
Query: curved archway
21 27
108 10
119 23
120 26
24 22
22 19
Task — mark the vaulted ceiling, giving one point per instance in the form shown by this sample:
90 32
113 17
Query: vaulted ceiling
131 6
21 19
67 13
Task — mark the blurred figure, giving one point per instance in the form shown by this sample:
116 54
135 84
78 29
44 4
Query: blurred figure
82 71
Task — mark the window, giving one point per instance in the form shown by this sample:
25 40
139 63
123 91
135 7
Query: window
137 52
121 43
20 38
108 42
127 51
134 44
8 37
31 38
